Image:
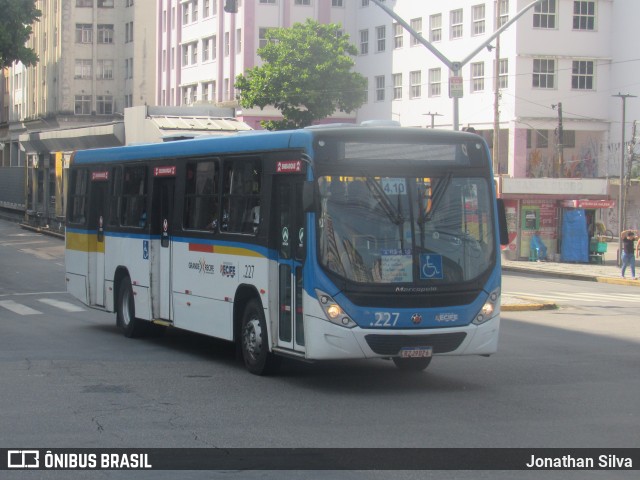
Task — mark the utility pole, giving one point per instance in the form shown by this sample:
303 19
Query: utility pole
496 97
436 114
621 213
627 177
560 141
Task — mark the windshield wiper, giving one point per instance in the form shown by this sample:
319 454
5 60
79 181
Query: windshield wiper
436 198
392 212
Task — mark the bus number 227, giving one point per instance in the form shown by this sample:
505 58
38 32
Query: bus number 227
386 319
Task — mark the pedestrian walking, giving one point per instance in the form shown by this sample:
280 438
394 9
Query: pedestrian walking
629 251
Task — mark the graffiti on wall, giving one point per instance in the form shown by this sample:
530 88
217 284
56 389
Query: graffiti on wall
579 162
584 163
539 164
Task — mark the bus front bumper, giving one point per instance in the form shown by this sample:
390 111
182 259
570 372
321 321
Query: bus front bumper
327 341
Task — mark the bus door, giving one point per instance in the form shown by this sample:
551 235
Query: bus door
161 245
290 230
98 202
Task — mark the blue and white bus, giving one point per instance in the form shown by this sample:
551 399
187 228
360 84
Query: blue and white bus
338 242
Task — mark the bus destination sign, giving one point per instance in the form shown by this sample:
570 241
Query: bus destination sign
169 171
289 166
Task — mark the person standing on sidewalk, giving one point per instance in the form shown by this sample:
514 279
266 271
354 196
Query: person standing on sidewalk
628 251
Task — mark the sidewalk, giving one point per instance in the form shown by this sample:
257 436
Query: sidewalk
609 272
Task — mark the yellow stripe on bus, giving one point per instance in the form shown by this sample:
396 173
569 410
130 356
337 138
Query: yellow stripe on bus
84 242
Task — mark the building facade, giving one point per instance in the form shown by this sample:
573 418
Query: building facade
551 86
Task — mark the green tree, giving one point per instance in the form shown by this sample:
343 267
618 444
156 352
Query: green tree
16 18
307 75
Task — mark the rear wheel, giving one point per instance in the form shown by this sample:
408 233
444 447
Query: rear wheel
255 343
126 311
411 364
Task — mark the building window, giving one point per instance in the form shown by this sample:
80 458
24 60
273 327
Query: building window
435 82
194 11
206 8
477 19
397 86
416 24
272 2
455 20
503 16
584 15
477 77
415 84
105 3
104 70
227 44
205 49
128 32
194 53
582 74
83 105
398 35
262 37
185 55
105 33
542 139
336 3
381 37
104 104
435 27
544 14
238 40
185 95
84 3
364 42
364 3
83 68
84 33
544 72
379 88
302 2
503 73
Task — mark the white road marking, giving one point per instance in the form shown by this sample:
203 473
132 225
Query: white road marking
66 306
18 308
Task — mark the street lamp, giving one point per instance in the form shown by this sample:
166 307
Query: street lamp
621 213
454 67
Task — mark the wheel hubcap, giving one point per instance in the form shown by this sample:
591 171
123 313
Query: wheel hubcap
252 339
126 308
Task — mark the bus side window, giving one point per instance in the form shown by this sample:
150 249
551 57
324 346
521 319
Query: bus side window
115 193
78 197
201 196
134 196
242 180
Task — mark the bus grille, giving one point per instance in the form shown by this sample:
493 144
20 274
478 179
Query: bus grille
391 344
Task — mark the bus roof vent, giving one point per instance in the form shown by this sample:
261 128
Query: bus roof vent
380 123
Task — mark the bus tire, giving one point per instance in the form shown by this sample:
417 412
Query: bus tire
411 364
126 311
254 341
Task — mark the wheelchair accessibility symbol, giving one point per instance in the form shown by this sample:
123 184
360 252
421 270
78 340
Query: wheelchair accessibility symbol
431 267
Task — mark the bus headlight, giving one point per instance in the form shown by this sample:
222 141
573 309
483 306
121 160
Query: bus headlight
490 308
333 311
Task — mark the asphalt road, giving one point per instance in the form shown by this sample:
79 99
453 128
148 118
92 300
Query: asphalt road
563 378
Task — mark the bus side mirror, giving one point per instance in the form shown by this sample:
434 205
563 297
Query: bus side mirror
502 223
308 197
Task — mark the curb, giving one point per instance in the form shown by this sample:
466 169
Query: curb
44 231
574 276
528 307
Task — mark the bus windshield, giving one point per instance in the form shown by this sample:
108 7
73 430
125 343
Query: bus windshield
406 230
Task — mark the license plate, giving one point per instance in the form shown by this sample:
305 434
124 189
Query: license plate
416 352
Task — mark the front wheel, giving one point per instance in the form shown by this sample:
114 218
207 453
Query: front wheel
126 311
411 364
255 342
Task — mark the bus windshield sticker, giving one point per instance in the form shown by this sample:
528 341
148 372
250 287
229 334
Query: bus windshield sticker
145 249
169 171
100 176
431 267
394 186
396 266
